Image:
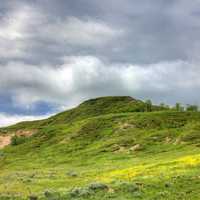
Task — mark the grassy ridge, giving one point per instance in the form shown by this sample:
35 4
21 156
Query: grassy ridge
88 109
137 155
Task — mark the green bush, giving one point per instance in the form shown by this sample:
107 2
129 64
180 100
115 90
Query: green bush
98 186
80 192
16 140
51 195
192 108
128 187
33 197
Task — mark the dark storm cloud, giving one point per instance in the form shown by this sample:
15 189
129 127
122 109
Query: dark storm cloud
54 54
153 30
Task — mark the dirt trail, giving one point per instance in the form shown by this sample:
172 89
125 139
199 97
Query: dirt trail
4 141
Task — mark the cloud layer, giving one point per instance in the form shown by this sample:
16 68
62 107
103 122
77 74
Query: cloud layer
54 54
84 77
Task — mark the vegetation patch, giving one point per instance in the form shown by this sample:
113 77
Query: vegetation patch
106 148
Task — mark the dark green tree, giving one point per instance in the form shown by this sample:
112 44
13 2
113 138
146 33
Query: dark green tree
16 140
177 106
148 105
192 108
162 105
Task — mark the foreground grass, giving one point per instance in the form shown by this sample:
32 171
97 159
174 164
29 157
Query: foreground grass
174 177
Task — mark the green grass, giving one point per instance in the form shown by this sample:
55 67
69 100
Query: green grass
97 143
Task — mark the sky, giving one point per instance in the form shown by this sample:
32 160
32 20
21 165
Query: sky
56 54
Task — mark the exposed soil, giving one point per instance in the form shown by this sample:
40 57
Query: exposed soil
5 140
26 133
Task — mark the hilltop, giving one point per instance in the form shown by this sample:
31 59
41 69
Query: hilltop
106 148
91 108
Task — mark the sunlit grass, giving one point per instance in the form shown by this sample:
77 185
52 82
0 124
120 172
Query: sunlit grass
99 149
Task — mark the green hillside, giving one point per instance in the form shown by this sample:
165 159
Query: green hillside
92 108
106 148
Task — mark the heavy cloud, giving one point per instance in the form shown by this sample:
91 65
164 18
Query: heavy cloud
58 53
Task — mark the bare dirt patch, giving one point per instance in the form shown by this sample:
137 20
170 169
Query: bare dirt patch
5 140
136 147
26 133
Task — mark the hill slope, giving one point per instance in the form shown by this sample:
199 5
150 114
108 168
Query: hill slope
106 148
91 108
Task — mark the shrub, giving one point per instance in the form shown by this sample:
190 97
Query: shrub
33 197
87 191
128 187
50 195
98 186
148 105
80 192
72 174
16 140
75 192
192 108
1 154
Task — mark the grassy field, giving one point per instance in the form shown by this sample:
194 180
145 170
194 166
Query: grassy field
108 148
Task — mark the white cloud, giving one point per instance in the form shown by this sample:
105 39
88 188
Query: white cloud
27 27
39 32
16 31
77 31
84 77
6 120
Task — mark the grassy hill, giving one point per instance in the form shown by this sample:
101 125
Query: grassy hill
106 148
